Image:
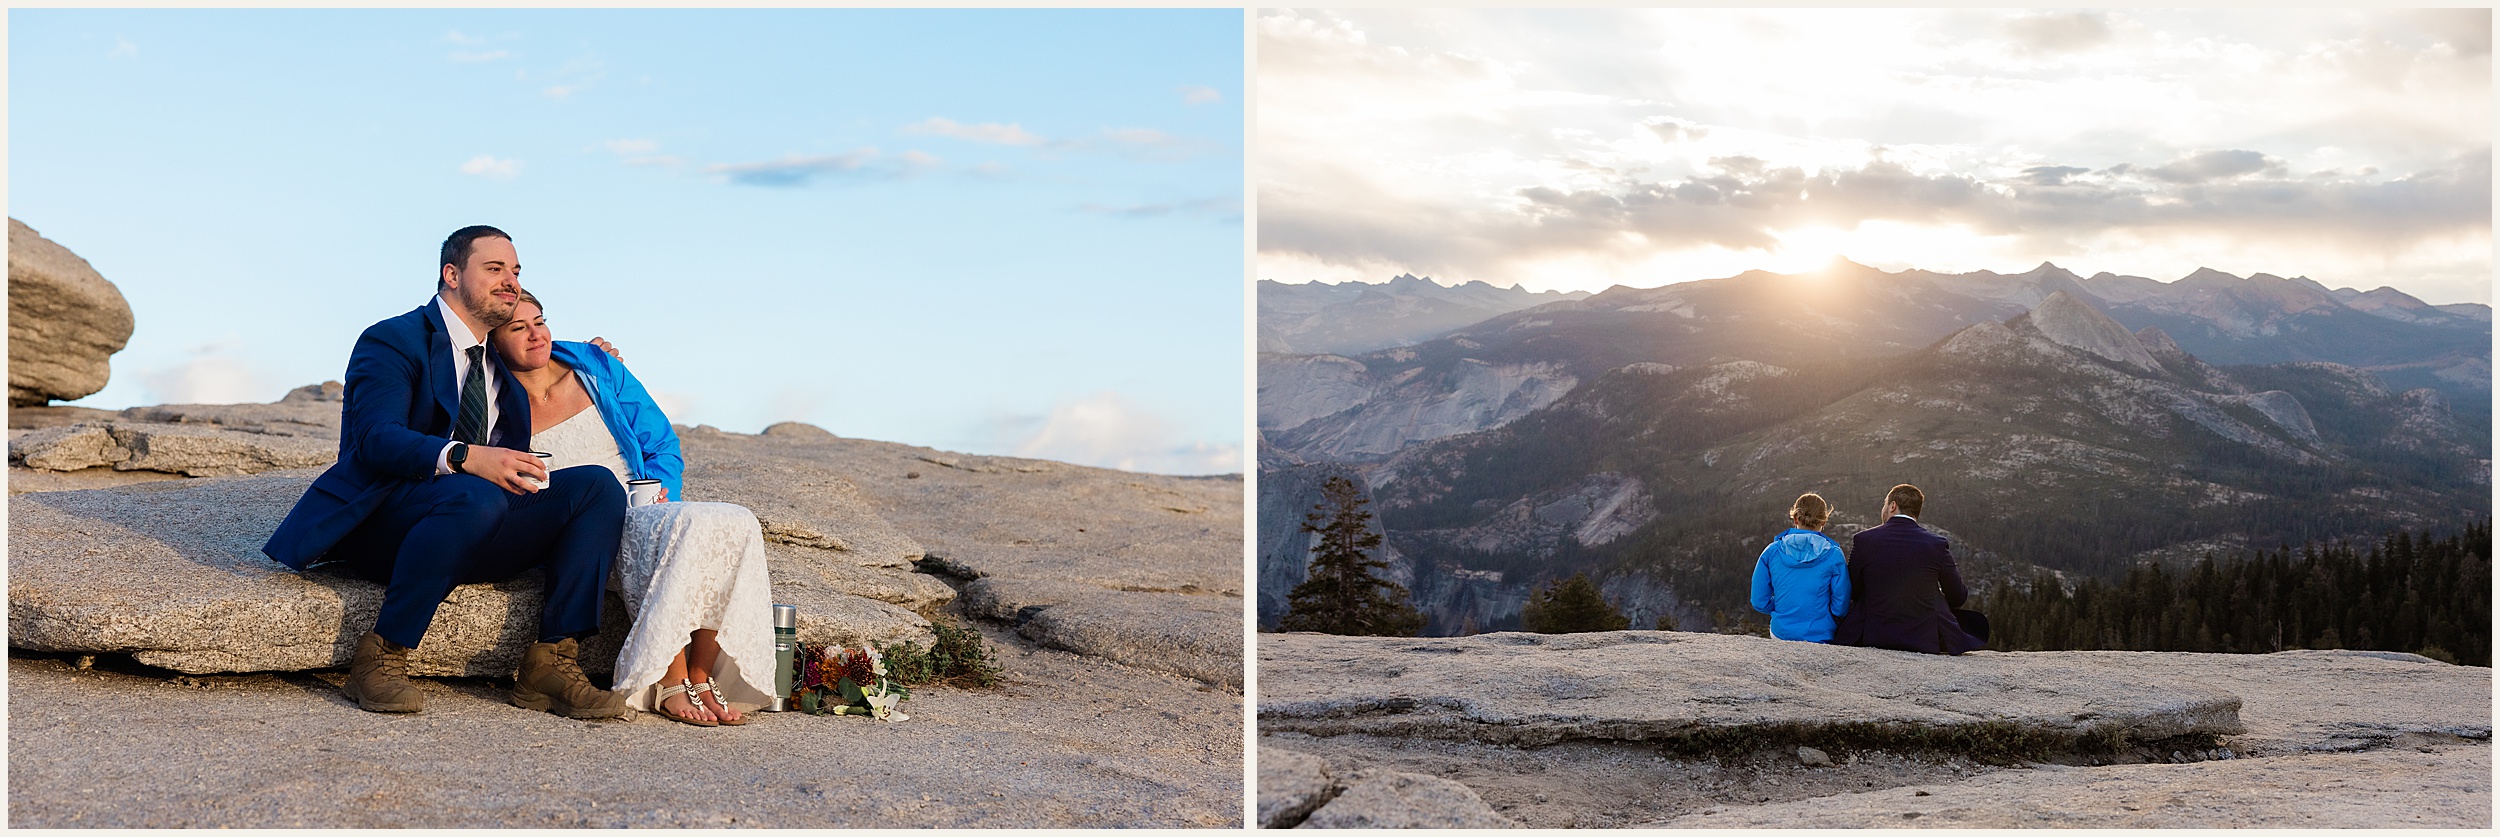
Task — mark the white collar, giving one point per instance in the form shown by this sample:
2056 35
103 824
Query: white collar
1907 517
453 326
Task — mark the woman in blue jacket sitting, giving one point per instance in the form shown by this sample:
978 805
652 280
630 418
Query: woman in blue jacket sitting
1802 580
692 574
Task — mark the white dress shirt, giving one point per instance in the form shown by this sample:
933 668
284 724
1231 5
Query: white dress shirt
461 340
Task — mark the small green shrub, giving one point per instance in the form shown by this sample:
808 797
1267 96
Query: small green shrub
957 658
1571 606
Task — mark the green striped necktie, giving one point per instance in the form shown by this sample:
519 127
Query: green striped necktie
473 400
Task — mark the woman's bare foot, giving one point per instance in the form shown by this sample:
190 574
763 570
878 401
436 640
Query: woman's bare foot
702 650
678 705
720 709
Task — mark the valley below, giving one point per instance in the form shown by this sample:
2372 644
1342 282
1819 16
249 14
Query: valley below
2064 427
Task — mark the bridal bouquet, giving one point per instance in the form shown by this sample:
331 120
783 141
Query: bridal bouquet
833 680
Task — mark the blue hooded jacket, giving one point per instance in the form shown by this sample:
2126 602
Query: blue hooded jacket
1802 581
641 430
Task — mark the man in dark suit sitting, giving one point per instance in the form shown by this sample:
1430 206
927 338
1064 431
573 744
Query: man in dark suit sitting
1904 586
435 487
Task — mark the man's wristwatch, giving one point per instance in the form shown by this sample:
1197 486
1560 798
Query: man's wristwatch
459 456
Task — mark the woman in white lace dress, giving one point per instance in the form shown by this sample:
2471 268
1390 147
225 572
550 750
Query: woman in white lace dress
692 574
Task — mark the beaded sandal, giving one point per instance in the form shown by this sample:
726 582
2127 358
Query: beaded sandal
710 688
659 705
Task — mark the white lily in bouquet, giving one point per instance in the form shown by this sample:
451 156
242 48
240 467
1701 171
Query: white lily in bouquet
848 681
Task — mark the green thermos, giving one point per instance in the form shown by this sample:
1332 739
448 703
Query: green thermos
785 645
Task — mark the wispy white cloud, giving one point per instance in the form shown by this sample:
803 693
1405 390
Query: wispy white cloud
1106 431
799 169
490 167
213 375
480 56
1152 144
122 48
641 152
1196 95
1134 142
681 408
989 132
462 38
575 76
1220 208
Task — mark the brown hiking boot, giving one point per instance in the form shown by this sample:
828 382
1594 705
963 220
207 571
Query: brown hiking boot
551 680
377 679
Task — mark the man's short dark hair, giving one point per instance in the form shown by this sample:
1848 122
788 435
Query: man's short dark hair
456 249
1906 499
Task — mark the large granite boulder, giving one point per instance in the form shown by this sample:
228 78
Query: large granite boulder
1534 689
172 574
1291 786
65 322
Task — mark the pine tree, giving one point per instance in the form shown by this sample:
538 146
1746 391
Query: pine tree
1570 607
1342 596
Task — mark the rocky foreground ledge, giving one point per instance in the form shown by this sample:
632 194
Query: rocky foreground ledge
1112 599
1138 569
1706 730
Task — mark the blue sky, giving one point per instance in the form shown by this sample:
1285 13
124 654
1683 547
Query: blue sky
996 231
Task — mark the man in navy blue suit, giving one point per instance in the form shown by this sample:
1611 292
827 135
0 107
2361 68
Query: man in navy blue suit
435 487
1904 586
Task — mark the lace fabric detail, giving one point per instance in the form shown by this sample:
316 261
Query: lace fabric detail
688 566
681 567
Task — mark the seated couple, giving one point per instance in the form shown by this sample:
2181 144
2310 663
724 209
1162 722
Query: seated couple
436 486
1898 588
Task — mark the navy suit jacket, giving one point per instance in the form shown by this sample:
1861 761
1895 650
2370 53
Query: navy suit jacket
1903 588
401 402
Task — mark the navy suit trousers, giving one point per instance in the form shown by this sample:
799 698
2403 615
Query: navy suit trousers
434 534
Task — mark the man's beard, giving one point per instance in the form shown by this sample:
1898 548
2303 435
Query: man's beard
490 312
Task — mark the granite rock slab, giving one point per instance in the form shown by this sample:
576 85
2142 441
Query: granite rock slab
1534 689
2432 787
1139 569
1291 786
190 450
1195 636
1406 800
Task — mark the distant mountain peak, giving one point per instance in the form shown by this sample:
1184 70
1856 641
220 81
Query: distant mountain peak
2048 269
2069 322
2209 276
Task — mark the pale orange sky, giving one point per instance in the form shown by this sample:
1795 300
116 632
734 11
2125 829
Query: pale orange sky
1576 150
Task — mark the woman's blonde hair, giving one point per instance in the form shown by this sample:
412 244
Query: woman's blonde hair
1810 511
